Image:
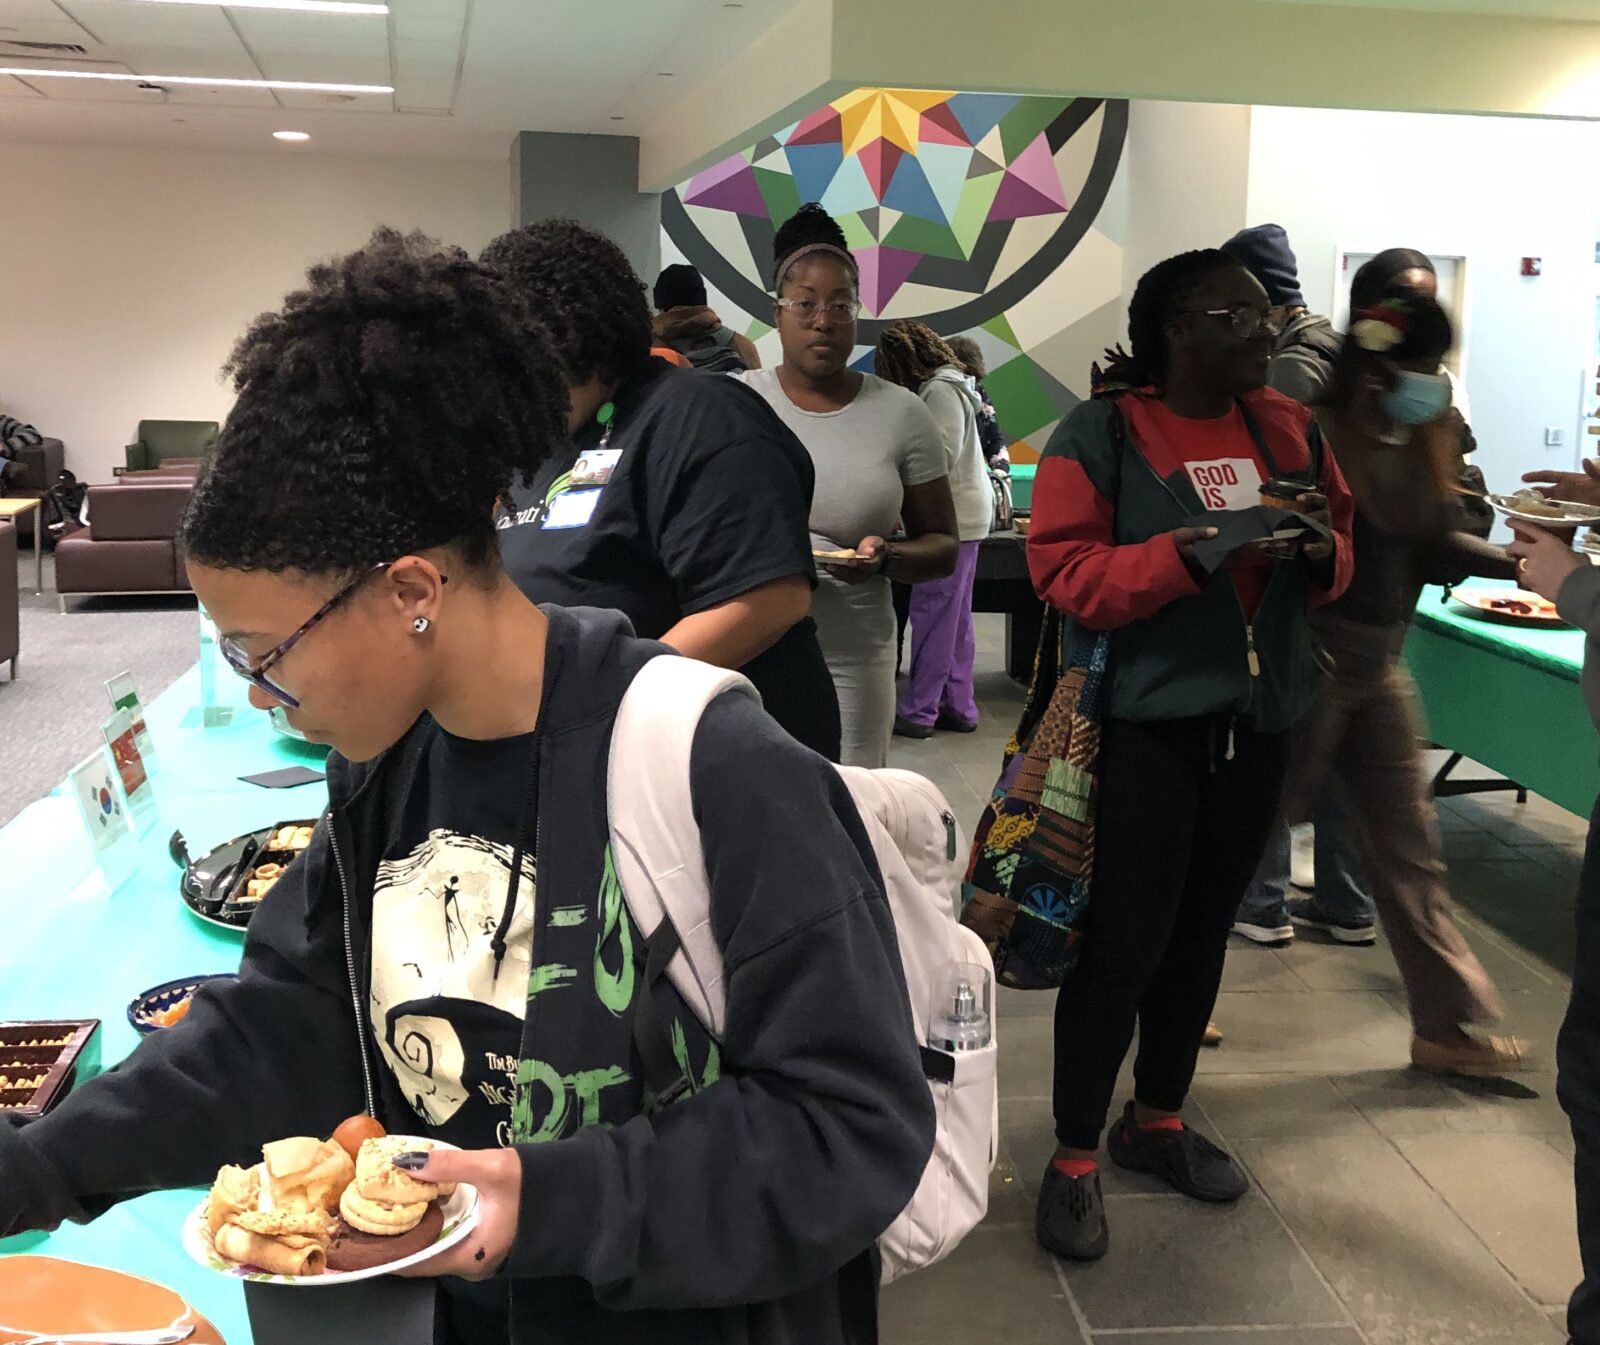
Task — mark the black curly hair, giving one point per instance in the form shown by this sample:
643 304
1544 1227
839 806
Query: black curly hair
807 227
910 353
586 294
382 411
1159 297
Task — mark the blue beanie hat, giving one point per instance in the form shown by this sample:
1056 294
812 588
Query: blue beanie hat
1264 251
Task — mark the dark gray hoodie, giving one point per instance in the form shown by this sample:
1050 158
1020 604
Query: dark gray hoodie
1302 364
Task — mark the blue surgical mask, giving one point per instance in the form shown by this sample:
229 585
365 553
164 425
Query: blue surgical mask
1417 398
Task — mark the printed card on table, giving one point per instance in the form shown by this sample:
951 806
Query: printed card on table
125 696
97 790
122 739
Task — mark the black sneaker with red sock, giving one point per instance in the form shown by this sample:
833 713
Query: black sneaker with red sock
1071 1219
1185 1159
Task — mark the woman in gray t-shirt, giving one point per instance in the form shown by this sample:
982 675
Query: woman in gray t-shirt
879 460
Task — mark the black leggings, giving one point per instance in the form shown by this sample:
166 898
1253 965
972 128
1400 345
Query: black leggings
1180 827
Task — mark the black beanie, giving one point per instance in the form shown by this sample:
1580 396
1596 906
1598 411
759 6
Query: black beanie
680 286
1264 251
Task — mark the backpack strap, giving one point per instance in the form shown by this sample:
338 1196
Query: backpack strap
656 853
1313 444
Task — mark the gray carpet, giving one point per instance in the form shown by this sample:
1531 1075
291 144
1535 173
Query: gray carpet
50 717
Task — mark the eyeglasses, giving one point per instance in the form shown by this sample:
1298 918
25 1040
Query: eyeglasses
1248 321
255 674
807 311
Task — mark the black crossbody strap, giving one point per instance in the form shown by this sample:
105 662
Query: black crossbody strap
1313 443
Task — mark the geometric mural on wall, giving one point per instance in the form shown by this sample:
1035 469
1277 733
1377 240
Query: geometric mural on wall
973 212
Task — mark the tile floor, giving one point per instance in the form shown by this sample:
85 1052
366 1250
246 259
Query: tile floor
1387 1207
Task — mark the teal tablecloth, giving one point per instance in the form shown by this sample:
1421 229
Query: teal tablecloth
74 949
1508 697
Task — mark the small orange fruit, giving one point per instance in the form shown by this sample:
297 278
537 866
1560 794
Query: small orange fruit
355 1131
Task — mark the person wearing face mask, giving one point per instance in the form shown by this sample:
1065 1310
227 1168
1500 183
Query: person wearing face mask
880 457
1389 419
1207 670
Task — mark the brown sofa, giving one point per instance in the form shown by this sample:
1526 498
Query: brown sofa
42 464
10 634
130 545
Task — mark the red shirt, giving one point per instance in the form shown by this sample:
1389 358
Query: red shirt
1227 470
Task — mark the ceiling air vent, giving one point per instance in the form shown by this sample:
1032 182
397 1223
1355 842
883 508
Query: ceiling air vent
47 48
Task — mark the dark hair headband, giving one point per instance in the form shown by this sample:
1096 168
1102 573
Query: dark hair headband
805 250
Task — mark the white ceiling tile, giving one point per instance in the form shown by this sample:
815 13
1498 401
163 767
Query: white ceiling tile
15 88
429 44
29 12
187 96
123 21
302 100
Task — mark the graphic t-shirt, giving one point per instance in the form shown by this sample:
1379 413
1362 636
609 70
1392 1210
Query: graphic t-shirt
449 1027
1227 471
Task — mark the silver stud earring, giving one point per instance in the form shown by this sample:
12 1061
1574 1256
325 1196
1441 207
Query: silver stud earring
420 625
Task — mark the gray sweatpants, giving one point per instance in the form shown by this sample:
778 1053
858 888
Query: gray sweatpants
1361 738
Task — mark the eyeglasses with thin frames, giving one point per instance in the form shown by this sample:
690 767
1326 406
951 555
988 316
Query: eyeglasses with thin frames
807 311
255 673
1247 321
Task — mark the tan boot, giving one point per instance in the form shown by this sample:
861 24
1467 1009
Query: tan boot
1474 1057
1213 1035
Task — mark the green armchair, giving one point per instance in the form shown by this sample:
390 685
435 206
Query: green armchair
159 440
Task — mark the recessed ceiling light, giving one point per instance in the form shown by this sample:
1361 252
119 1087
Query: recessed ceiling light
197 81
290 135
314 6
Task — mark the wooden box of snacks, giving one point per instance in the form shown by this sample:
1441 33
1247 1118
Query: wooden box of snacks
39 1061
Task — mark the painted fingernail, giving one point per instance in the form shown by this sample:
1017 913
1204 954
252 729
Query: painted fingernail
411 1162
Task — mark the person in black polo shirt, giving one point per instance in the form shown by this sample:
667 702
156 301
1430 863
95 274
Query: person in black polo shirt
682 501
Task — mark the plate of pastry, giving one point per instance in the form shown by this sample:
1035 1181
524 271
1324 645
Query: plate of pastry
318 1212
227 885
1532 507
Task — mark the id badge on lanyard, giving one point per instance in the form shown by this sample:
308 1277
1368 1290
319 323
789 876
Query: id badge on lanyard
575 506
594 467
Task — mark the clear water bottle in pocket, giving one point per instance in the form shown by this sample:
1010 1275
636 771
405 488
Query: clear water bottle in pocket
960 1016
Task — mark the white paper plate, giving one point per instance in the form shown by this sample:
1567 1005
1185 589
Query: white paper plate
1482 601
1512 507
461 1215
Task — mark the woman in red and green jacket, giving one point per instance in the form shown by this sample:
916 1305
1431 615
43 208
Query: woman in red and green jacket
1208 670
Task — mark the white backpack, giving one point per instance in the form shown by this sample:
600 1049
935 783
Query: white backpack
655 844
